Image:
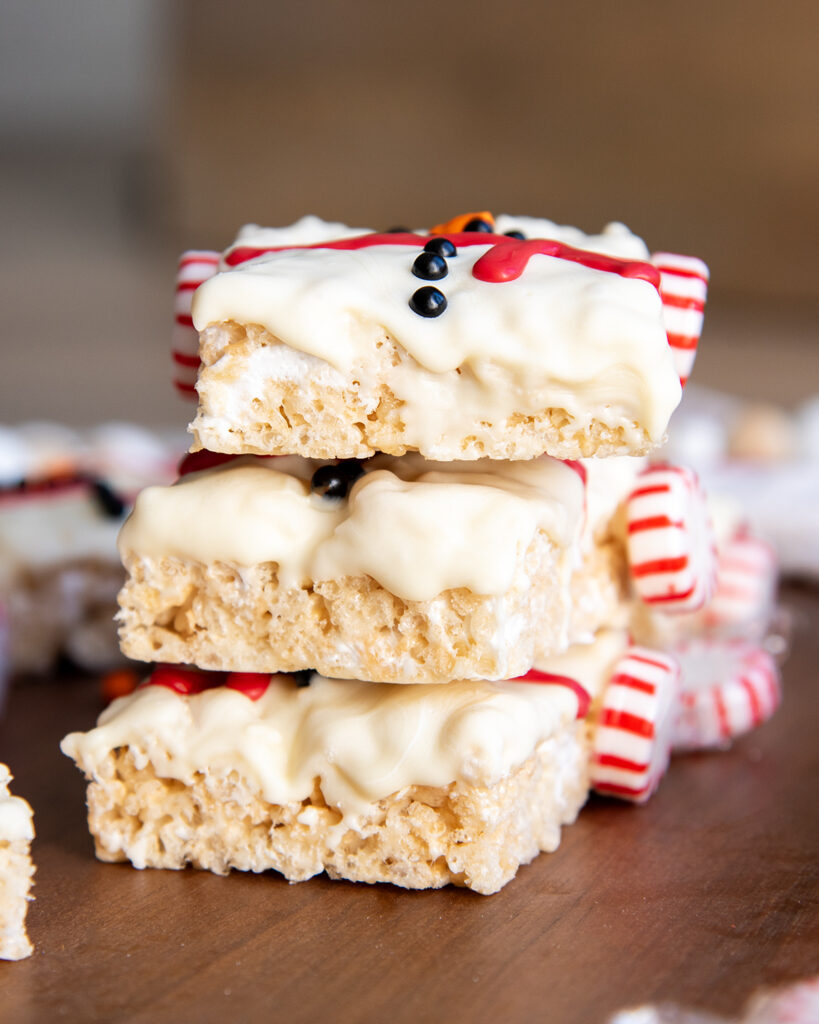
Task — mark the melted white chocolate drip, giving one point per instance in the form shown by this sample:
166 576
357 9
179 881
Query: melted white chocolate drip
614 240
418 528
363 741
306 231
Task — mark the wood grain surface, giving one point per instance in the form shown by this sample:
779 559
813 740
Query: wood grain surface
700 897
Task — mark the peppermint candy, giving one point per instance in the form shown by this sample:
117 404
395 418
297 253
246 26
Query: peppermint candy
745 587
632 738
195 267
727 688
683 290
670 540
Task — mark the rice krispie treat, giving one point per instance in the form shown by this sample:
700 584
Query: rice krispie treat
59 572
16 871
459 345
415 785
394 570
197 265
63 497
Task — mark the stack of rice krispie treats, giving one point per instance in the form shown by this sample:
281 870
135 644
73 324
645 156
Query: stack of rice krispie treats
389 597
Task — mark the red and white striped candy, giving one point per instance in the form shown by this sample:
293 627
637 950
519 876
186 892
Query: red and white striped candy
683 289
195 267
185 375
727 688
632 739
670 540
796 1004
746 584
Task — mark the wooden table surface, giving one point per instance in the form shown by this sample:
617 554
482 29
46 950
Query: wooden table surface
699 897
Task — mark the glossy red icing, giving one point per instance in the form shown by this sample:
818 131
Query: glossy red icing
508 259
252 684
505 261
188 681
244 253
578 467
184 680
534 675
194 462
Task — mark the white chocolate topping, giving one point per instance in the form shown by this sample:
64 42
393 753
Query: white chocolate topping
52 527
614 240
16 817
305 231
561 336
364 741
418 528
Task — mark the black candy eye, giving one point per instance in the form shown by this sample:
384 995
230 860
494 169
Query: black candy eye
430 267
478 224
515 234
441 247
428 301
335 479
302 677
110 503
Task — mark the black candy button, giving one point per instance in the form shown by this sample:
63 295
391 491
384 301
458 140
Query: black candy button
478 224
515 234
110 503
430 267
441 247
335 479
428 301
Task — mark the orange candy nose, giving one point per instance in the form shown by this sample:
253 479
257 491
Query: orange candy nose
458 224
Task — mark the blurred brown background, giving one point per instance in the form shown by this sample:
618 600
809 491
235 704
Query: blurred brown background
134 128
